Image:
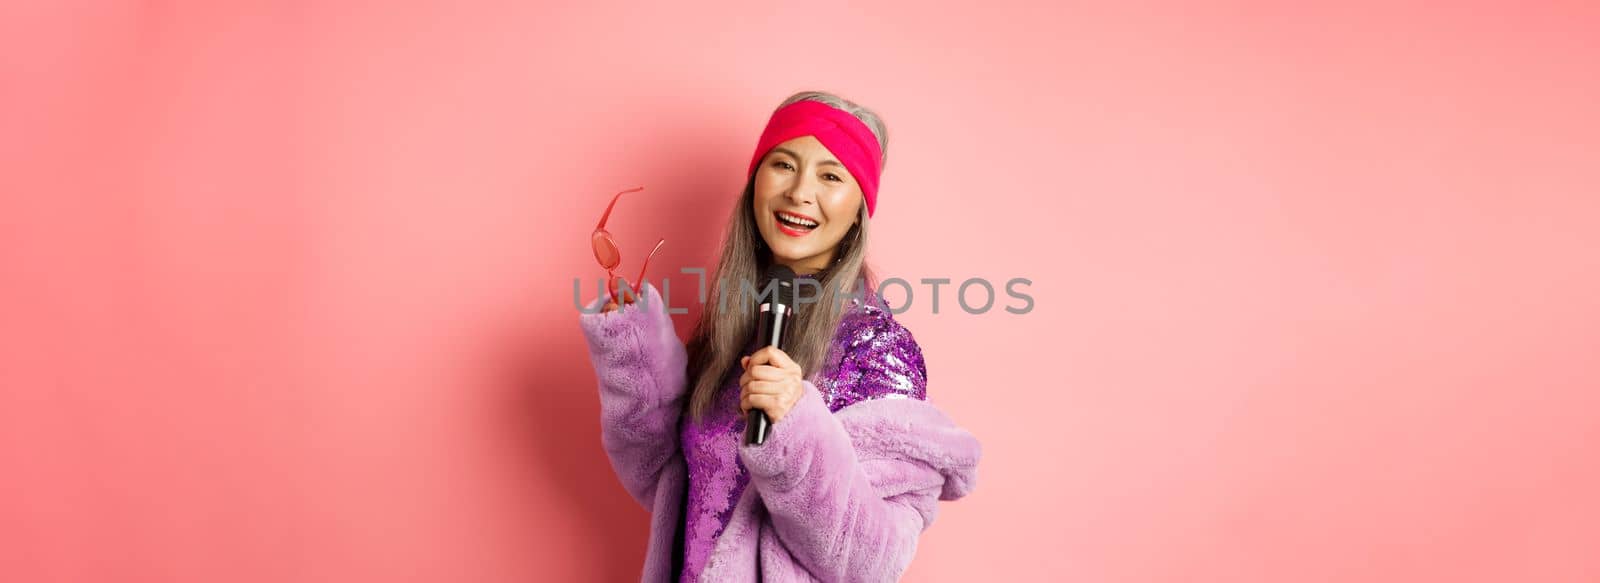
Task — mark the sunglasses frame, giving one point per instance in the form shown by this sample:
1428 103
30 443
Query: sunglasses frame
613 252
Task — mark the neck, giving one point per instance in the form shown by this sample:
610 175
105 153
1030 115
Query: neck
812 266
810 271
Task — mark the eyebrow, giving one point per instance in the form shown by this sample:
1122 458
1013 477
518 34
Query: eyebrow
797 157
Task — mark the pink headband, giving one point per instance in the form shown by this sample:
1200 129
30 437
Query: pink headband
843 134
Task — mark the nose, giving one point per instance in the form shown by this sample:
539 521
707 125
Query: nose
803 192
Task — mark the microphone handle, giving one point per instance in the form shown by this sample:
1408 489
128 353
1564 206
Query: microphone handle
756 427
770 328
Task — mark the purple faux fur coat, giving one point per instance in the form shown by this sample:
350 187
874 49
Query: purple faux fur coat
833 496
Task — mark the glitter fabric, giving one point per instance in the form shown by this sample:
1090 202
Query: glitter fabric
871 357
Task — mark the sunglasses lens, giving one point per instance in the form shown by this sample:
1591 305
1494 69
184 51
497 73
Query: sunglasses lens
605 251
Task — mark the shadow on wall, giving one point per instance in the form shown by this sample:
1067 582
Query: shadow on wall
551 410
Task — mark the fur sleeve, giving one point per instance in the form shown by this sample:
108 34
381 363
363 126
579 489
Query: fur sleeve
639 363
848 494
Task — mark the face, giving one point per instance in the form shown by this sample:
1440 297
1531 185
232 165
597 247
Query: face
805 202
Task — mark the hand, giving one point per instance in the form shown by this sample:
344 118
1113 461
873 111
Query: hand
627 298
771 382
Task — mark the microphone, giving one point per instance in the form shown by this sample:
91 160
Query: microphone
771 326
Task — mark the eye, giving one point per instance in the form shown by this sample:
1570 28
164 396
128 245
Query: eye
781 164
834 177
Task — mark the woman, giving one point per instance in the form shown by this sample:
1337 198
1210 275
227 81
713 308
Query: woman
857 459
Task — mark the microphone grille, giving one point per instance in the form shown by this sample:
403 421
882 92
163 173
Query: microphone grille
783 276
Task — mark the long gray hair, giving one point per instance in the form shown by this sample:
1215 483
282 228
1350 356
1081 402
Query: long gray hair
722 333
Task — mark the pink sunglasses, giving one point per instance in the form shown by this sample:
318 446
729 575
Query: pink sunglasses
610 257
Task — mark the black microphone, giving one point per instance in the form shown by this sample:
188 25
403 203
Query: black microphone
771 326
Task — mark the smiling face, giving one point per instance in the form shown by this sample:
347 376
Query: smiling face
805 202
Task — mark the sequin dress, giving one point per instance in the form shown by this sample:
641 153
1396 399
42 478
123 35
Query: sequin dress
872 356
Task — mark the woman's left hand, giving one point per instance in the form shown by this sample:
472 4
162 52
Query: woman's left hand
771 383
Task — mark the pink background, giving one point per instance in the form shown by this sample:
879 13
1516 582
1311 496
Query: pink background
287 289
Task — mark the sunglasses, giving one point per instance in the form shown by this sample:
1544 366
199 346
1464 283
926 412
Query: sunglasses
610 257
